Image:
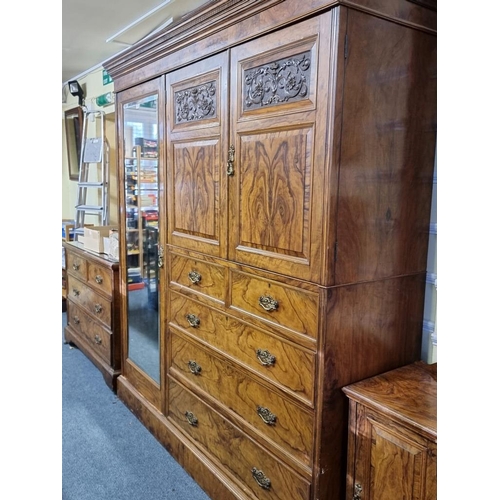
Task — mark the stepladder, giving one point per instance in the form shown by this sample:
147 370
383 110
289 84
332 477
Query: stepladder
92 207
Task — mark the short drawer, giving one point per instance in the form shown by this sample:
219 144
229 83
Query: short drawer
278 360
96 305
100 278
201 277
76 265
284 305
90 330
287 424
264 475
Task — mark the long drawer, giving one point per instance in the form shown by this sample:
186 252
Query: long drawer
287 424
90 330
88 299
276 359
262 473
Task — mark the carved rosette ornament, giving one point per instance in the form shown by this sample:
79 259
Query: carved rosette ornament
278 82
196 103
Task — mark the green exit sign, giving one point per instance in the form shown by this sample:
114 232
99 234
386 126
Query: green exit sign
106 77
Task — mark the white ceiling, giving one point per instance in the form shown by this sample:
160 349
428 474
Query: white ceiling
87 24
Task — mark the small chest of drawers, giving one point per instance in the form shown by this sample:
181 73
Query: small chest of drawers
93 314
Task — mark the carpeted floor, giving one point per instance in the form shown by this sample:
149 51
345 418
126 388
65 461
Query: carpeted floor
106 452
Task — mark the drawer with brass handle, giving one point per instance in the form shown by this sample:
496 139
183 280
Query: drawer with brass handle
287 424
202 278
284 305
252 464
97 337
88 299
100 278
274 358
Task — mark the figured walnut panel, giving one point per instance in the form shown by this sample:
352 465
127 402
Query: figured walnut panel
196 167
275 191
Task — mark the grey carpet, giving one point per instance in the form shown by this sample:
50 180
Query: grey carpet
106 452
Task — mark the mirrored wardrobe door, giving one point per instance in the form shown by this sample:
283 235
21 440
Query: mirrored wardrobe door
142 259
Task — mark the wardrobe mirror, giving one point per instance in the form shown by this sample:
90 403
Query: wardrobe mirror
141 193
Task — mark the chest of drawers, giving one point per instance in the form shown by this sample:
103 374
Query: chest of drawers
93 309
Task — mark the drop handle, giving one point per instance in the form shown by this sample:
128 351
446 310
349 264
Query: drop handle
259 476
191 419
98 279
76 320
76 292
268 303
266 415
76 266
193 320
97 339
194 367
194 277
265 357
97 308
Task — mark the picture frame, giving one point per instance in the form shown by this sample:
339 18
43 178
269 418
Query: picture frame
73 122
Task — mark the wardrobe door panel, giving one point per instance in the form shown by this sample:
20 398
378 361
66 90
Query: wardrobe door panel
278 126
196 104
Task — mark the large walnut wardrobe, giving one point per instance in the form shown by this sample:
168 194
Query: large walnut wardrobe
295 153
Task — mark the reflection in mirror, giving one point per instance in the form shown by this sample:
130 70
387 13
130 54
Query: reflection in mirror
73 123
141 191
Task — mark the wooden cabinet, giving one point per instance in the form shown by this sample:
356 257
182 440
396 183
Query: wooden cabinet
393 435
296 152
93 309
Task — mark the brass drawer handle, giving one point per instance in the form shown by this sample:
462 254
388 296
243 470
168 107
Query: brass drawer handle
261 478
194 277
97 339
265 357
357 492
230 160
98 279
193 320
97 308
194 367
76 292
268 303
266 415
76 320
191 419
76 266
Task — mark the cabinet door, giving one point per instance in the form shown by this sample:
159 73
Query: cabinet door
196 104
279 104
390 461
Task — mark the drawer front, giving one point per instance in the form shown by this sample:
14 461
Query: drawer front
76 265
101 278
90 330
204 278
285 423
286 306
263 474
277 360
92 302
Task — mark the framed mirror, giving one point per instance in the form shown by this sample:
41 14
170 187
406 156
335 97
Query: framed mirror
73 122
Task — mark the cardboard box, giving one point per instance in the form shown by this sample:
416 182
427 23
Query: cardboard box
94 237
